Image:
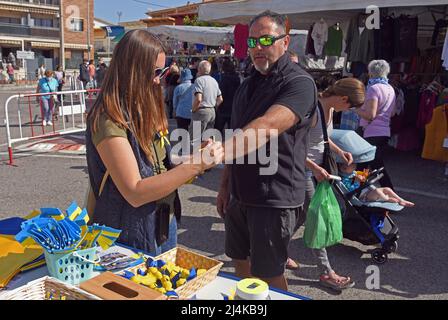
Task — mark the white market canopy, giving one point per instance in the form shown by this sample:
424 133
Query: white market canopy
216 36
210 36
301 12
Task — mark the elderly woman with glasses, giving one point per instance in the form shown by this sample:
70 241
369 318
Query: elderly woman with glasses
376 114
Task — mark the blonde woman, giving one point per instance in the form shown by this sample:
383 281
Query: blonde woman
342 95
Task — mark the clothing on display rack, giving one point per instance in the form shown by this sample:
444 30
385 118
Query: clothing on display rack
384 39
436 133
241 33
444 57
333 47
320 36
310 42
428 102
360 41
405 33
440 25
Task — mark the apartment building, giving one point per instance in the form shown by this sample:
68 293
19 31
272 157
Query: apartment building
34 25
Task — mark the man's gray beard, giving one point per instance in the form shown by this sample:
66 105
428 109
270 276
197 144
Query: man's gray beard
264 69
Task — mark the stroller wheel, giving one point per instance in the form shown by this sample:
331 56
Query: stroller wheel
394 246
379 256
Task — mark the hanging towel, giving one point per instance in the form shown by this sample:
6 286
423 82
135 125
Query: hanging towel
241 33
436 132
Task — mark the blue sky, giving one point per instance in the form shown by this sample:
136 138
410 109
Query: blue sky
132 9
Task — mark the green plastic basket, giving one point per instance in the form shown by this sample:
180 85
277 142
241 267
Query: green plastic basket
72 268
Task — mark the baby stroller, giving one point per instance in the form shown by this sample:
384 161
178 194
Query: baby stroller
368 223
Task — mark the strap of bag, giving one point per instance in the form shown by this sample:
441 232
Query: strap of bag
324 128
90 200
103 182
48 84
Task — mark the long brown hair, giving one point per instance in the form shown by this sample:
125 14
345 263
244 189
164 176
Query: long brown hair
349 87
129 97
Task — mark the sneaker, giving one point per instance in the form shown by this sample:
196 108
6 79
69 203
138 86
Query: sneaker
49 123
44 123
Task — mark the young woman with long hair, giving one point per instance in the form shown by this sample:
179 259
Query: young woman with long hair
130 169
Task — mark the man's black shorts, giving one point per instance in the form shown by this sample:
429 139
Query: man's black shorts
261 234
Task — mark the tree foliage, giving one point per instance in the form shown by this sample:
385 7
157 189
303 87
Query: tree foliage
193 21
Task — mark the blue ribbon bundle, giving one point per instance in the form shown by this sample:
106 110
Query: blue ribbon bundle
57 232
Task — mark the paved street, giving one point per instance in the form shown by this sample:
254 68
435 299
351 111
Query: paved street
416 271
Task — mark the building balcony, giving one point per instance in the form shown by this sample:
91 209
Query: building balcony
47 3
7 29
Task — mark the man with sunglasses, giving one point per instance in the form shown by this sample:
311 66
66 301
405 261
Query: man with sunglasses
261 212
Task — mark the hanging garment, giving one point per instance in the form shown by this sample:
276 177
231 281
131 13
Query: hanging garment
241 34
443 97
405 31
436 132
310 42
360 46
333 47
440 24
445 53
384 39
320 36
428 102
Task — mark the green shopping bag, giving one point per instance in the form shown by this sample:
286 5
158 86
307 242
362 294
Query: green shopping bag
323 226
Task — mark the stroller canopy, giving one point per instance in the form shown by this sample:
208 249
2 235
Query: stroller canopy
350 141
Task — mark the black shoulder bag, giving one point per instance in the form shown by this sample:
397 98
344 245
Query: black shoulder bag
329 163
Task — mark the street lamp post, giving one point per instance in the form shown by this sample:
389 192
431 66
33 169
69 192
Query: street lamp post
61 35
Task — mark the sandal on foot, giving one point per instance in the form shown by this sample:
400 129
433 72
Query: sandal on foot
292 265
336 285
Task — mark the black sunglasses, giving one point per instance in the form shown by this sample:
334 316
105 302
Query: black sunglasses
160 72
264 41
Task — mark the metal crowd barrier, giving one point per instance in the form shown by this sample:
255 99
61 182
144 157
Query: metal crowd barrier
24 119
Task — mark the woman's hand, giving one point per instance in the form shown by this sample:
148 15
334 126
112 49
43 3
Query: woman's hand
346 156
320 173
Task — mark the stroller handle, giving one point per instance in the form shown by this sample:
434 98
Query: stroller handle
335 178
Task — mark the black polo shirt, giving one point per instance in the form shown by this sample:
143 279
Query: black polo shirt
290 86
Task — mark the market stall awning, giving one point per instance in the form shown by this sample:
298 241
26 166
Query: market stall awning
27 9
36 44
76 46
211 36
303 11
11 42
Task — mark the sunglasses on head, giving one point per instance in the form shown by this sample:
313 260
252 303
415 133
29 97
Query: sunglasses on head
264 41
160 72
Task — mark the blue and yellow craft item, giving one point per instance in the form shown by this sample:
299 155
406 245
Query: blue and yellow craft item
57 232
69 243
162 276
15 257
